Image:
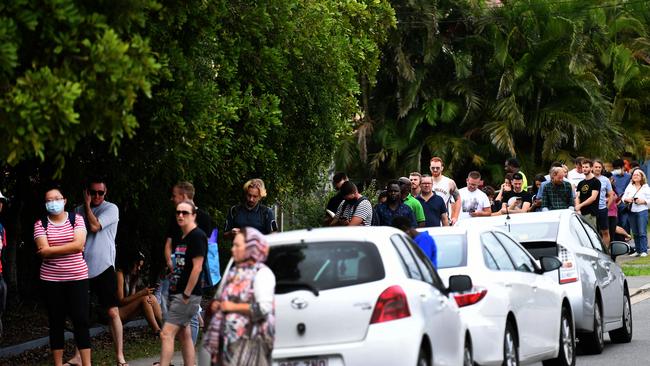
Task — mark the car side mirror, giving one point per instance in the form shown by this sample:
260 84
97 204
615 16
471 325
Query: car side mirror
549 263
617 248
460 283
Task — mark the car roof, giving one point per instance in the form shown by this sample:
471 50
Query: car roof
521 218
354 233
445 230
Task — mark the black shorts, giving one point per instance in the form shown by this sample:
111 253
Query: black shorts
602 220
105 287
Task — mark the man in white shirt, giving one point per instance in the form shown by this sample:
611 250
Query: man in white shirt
576 175
475 203
445 188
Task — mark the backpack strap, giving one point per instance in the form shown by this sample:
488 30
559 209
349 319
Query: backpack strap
72 216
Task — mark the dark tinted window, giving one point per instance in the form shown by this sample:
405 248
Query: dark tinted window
324 266
411 268
579 231
595 238
452 250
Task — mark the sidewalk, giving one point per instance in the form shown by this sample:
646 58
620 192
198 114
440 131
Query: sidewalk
177 360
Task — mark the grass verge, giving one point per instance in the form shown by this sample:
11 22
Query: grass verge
637 267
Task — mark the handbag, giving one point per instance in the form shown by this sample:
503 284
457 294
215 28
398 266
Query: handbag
628 205
250 350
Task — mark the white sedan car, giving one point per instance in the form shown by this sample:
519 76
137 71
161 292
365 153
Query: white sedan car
511 300
362 296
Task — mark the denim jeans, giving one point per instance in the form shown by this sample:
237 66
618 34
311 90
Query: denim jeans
623 218
639 226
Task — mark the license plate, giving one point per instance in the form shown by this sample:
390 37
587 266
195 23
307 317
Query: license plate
303 362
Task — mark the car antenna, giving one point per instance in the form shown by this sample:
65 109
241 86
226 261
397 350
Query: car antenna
507 223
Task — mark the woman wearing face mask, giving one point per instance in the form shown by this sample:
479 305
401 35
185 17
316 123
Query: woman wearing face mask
245 304
60 241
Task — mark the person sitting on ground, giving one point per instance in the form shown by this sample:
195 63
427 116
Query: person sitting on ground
134 302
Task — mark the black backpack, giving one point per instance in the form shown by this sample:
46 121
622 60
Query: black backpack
375 218
71 215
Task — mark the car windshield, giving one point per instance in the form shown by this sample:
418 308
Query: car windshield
325 265
451 250
539 231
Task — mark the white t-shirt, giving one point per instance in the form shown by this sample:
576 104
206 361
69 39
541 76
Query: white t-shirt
442 189
472 202
575 177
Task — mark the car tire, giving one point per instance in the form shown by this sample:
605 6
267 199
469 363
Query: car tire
510 346
468 358
423 357
624 334
594 342
567 352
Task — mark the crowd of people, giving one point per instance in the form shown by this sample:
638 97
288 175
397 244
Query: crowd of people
78 249
614 202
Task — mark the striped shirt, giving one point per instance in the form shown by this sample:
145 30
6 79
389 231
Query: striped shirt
68 267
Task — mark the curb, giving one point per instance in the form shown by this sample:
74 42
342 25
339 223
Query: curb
44 341
640 290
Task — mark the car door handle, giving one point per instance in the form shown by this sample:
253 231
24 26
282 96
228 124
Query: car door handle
508 285
534 287
424 297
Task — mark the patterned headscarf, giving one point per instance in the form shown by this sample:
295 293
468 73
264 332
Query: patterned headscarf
257 248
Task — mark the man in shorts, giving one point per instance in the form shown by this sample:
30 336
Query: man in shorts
101 218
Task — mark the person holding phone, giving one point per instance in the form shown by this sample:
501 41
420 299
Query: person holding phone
134 299
638 194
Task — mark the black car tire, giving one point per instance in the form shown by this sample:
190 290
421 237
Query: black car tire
624 333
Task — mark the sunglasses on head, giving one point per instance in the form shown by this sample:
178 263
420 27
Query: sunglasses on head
183 213
93 192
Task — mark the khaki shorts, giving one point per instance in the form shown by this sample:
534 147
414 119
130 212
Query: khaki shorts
180 313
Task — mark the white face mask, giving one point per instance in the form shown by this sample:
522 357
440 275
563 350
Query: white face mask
617 171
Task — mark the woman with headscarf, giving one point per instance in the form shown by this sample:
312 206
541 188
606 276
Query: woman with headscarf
244 306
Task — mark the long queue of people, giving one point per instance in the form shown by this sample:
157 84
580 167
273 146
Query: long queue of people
615 203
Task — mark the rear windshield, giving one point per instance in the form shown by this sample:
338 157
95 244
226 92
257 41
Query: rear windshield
451 250
539 231
325 265
541 248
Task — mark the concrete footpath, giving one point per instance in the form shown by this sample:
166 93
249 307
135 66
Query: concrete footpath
176 361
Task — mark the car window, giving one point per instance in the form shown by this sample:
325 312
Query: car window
537 231
488 258
595 238
426 268
325 265
501 258
410 267
452 250
522 261
579 231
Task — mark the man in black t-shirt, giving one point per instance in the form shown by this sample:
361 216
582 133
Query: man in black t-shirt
516 200
588 194
334 202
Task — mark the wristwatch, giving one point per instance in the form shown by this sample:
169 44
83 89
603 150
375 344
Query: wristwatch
185 297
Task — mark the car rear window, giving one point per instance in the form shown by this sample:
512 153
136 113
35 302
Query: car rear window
539 231
541 248
451 250
324 265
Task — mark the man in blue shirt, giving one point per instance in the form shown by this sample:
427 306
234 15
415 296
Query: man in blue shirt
422 239
251 212
621 181
394 206
435 210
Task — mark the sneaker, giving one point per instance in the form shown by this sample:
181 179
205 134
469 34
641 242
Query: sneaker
635 254
644 254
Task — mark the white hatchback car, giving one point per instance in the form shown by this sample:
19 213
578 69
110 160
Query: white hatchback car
362 296
511 300
596 285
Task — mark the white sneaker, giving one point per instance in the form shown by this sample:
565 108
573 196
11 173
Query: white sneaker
635 254
644 254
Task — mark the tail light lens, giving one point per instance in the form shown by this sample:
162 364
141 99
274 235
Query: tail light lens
471 297
568 271
391 305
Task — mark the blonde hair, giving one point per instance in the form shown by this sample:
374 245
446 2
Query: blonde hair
644 180
256 183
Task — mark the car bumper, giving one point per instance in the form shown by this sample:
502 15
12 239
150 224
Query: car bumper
391 343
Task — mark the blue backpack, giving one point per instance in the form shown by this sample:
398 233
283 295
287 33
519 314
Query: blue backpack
211 272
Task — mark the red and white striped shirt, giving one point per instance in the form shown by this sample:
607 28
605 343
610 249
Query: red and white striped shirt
68 267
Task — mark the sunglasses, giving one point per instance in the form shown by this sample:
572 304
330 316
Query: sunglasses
183 213
436 168
93 192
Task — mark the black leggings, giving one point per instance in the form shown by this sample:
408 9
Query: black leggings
68 298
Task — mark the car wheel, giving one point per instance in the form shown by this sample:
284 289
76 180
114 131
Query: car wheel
468 359
567 352
624 334
594 342
423 357
510 348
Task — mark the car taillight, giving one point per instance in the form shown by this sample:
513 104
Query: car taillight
470 297
568 271
391 305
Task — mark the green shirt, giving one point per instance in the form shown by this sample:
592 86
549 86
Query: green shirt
416 206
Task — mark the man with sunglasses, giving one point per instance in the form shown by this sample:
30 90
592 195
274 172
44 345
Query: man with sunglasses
101 218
